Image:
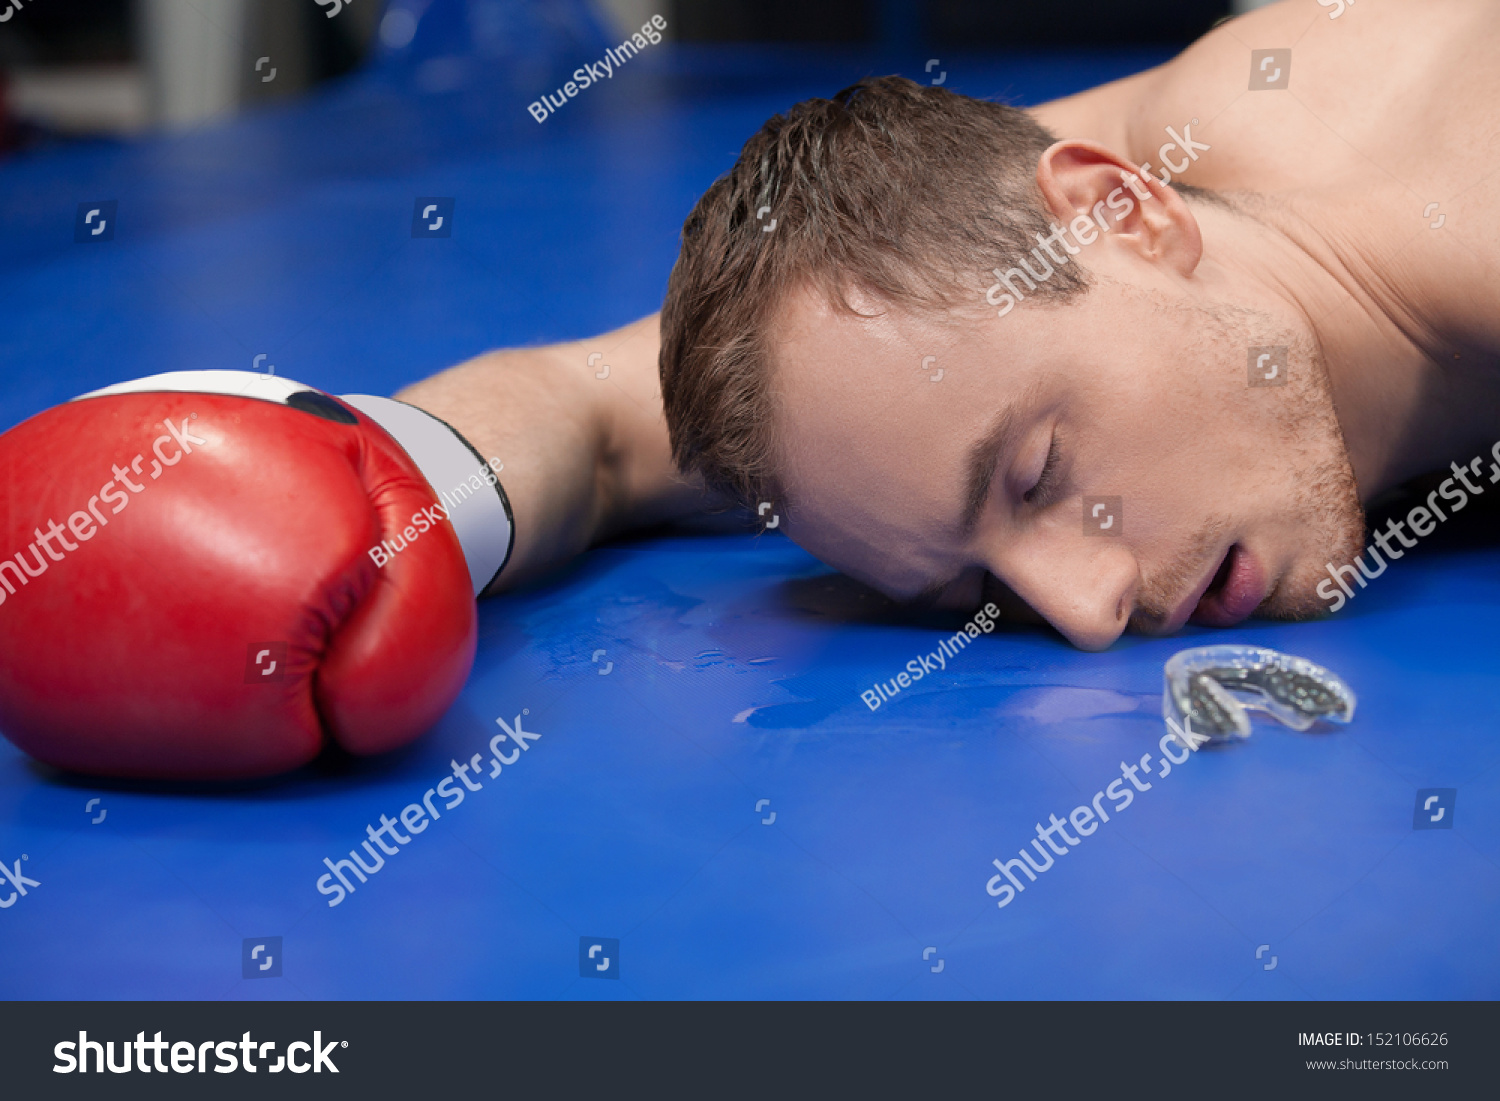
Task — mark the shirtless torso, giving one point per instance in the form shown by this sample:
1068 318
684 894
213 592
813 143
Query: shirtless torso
1382 159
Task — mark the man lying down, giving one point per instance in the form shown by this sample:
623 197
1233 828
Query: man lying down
1129 358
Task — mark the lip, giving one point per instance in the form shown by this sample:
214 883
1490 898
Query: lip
1243 590
1184 610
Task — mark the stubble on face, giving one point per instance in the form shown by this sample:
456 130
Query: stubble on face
1326 502
1323 498
1160 590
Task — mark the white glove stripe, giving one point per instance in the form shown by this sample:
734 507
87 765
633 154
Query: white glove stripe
481 519
245 384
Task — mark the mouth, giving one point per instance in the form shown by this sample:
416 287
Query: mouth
1226 594
1234 590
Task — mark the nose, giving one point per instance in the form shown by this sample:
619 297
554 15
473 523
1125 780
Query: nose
1085 589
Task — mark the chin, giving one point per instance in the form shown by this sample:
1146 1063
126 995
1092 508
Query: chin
1299 610
1295 597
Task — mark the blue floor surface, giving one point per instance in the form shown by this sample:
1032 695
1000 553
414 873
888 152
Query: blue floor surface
709 802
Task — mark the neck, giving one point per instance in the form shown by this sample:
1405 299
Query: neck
1403 408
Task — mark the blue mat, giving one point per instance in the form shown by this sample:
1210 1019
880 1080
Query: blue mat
709 809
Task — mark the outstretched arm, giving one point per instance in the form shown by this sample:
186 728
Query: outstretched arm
585 457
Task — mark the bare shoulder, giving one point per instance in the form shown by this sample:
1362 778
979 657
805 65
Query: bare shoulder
1306 91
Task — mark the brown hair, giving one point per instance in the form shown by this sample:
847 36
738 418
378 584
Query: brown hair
903 190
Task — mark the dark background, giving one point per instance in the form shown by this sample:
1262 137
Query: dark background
966 24
61 32
81 69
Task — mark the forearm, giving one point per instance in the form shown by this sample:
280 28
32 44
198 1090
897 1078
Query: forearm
584 457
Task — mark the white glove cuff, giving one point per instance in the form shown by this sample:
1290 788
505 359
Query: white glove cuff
466 486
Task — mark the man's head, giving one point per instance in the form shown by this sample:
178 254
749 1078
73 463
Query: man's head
934 384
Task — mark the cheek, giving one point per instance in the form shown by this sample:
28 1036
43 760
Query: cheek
862 542
966 593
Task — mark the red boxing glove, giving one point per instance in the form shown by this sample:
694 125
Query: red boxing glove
207 573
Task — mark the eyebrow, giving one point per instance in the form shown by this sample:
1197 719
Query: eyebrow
984 458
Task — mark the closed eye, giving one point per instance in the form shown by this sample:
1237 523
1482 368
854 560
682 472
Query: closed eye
1041 494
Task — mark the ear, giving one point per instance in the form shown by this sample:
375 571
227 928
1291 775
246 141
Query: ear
1083 179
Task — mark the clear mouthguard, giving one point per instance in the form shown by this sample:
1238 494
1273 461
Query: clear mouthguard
1207 691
